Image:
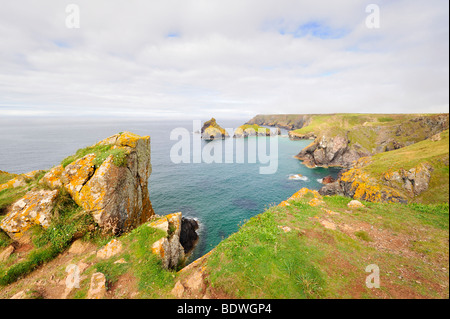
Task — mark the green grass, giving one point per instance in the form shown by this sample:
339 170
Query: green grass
262 261
9 196
101 153
5 240
385 119
363 235
153 280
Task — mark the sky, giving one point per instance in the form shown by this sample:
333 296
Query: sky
227 59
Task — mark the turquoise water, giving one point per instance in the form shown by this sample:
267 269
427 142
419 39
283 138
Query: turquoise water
220 195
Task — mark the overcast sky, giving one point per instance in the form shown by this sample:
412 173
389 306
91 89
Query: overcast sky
228 58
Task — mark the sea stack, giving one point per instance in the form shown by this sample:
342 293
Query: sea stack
247 130
211 130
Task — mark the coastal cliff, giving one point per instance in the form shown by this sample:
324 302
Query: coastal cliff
415 173
342 139
286 121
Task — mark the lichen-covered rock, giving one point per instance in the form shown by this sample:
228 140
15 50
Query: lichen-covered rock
110 249
18 181
52 178
97 288
33 209
76 175
116 195
360 185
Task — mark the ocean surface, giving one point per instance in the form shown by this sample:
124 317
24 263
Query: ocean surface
221 196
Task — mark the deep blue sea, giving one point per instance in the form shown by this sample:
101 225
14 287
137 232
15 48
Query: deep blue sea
221 196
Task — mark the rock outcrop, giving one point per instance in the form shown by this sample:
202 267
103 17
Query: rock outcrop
298 136
394 187
211 130
117 196
331 151
341 144
114 192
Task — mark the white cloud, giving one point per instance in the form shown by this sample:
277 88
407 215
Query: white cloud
230 58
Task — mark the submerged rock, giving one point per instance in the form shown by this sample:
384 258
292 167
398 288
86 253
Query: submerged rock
328 179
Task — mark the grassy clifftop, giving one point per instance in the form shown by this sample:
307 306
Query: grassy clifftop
314 247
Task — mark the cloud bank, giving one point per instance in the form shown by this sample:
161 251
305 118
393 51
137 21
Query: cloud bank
196 58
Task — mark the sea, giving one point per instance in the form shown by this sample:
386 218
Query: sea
220 194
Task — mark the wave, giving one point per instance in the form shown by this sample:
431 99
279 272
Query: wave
298 177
